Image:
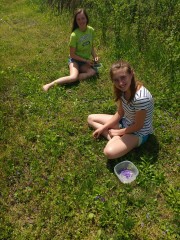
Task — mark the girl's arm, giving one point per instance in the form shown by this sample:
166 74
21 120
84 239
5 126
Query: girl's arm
115 118
95 57
138 124
76 57
110 124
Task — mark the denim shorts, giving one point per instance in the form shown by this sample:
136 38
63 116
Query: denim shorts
142 139
71 60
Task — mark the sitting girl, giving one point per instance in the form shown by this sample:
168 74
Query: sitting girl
131 125
82 52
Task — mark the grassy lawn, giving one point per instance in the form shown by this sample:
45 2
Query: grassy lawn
55 181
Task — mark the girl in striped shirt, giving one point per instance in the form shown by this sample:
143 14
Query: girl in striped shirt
131 125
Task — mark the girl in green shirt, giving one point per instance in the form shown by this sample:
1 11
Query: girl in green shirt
81 51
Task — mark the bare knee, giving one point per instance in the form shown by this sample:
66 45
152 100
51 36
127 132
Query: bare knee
91 72
109 152
74 78
90 119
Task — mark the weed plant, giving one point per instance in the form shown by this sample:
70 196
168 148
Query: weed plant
55 181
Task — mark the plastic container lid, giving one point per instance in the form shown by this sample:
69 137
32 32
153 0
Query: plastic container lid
126 171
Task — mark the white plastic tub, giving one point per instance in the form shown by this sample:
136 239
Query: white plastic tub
126 171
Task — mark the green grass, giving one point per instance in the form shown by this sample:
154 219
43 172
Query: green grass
55 181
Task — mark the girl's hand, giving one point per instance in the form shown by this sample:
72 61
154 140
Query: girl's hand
116 132
98 132
96 59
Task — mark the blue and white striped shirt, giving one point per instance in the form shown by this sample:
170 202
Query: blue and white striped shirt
143 100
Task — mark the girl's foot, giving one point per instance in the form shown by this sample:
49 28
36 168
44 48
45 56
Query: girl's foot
46 87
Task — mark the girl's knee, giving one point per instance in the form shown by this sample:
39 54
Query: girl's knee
92 72
90 119
74 78
109 152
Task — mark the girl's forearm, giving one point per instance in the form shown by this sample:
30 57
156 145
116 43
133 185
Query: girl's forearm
78 58
138 124
113 121
93 52
131 129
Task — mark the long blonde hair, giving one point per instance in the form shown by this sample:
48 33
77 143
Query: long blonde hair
134 83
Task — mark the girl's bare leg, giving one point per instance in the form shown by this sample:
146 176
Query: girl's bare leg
97 120
119 146
74 72
116 146
86 71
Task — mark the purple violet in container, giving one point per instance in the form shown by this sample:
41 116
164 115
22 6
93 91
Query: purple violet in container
126 173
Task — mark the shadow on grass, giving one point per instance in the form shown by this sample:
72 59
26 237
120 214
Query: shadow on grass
148 150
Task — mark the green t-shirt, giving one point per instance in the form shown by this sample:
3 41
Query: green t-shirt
82 41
